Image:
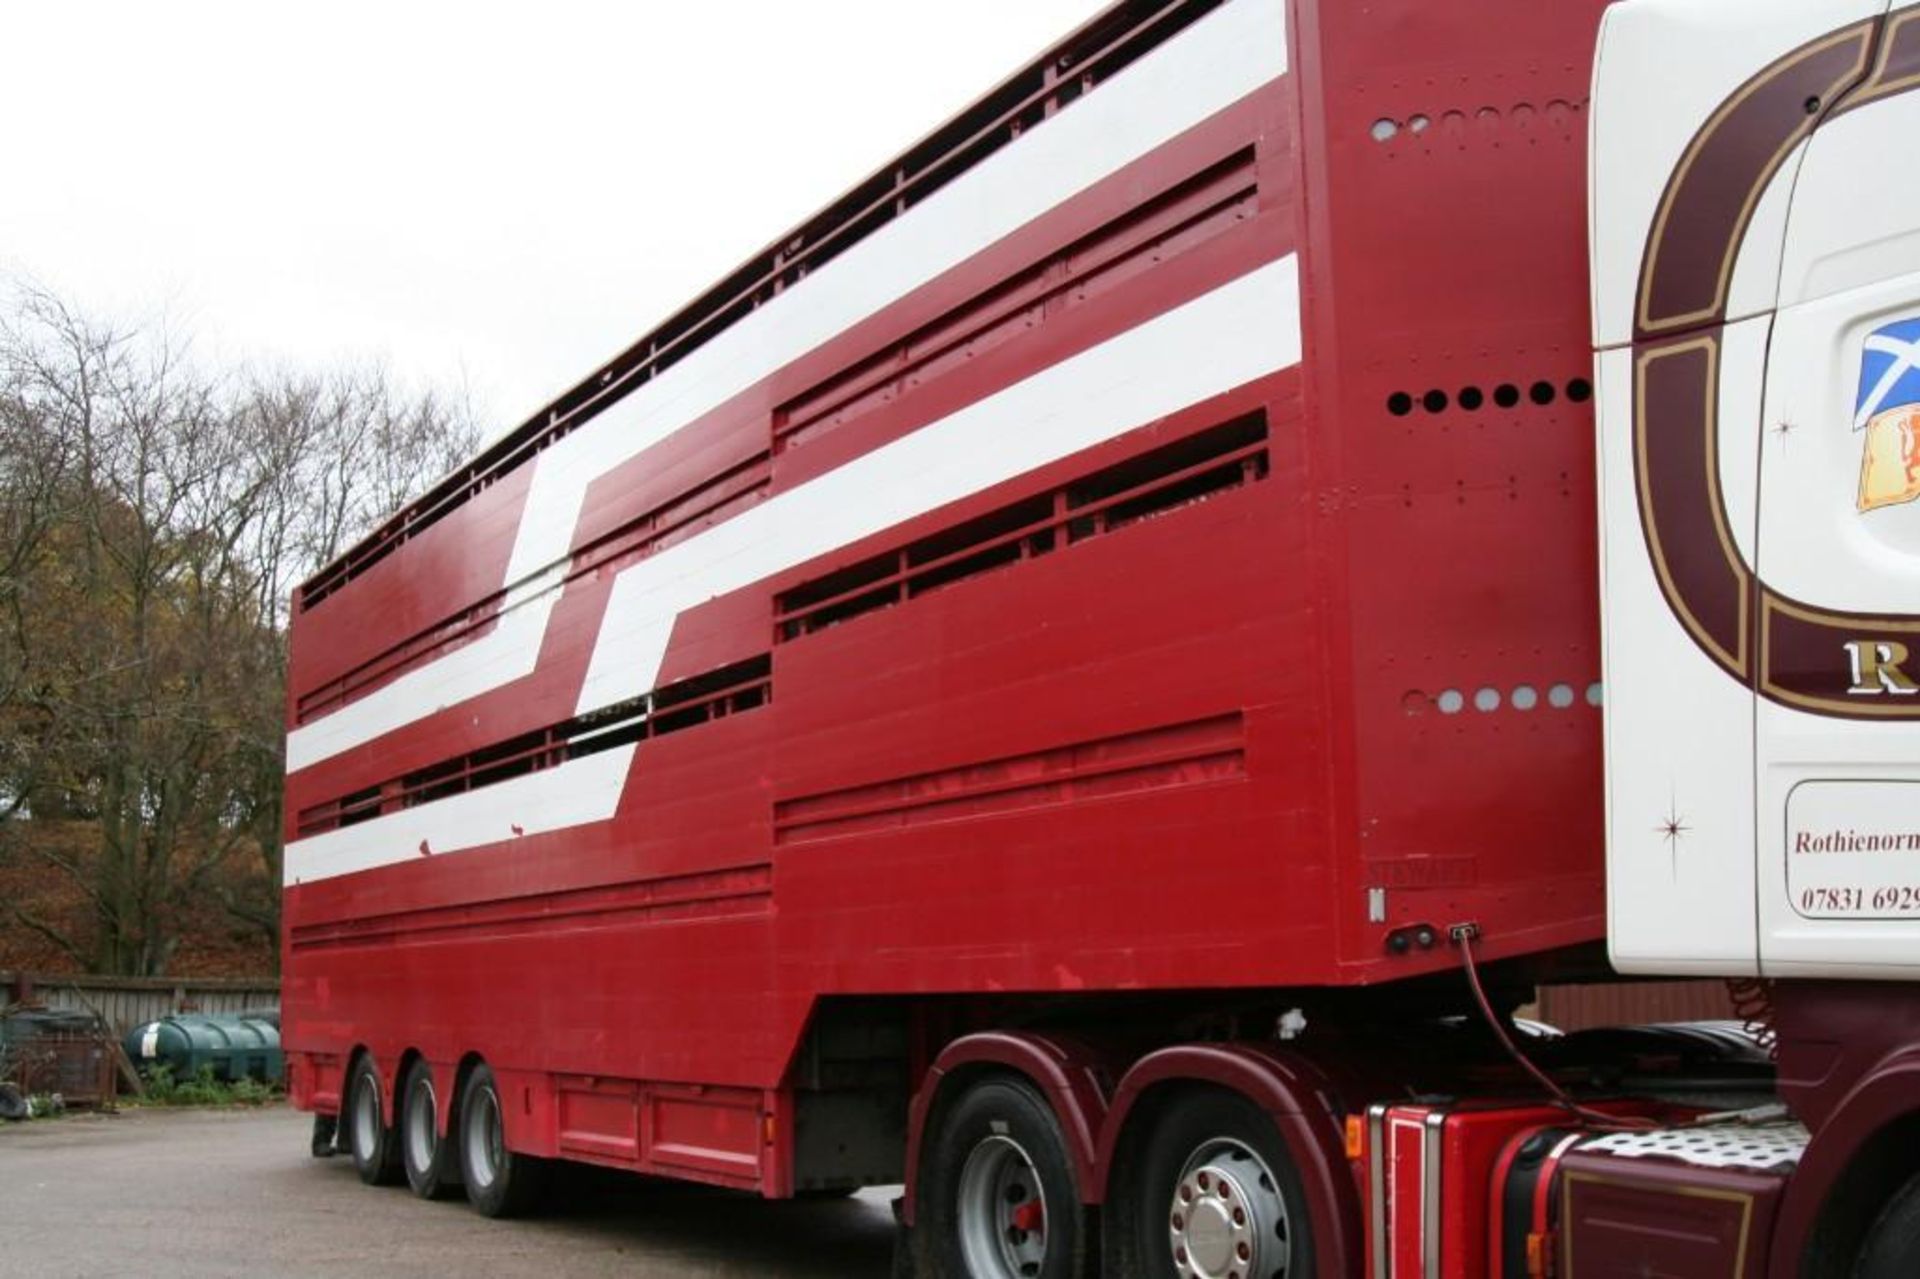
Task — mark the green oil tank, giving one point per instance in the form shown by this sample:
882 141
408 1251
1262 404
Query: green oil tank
234 1047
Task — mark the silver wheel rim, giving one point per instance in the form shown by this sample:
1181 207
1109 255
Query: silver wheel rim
486 1142
366 1117
422 1137
1228 1219
1002 1212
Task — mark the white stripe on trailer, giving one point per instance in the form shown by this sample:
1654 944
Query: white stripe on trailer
1218 61
579 792
1234 335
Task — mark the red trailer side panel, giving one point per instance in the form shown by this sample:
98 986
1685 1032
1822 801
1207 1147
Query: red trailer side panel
1025 578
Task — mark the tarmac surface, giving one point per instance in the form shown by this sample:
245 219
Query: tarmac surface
234 1192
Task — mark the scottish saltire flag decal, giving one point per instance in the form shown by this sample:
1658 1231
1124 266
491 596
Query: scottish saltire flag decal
1887 409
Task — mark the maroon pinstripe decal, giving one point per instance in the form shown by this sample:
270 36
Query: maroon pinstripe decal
1897 69
1677 453
1703 215
1801 658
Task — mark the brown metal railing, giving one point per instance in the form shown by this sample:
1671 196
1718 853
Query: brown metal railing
1091 55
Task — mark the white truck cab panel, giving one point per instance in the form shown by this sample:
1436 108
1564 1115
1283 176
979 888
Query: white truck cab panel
1761 547
1838 795
1663 69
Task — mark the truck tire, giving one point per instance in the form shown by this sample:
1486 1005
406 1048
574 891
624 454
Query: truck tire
1892 1250
432 1171
997 1195
1213 1192
499 1181
375 1149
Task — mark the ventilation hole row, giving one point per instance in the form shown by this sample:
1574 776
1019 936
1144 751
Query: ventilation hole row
1487 699
1558 113
1472 398
1386 130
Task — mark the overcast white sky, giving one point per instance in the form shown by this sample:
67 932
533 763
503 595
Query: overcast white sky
499 196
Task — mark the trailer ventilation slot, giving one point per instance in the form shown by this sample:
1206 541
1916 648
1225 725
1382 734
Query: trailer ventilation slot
671 708
699 506
1164 479
1087 58
436 641
1166 757
667 899
1149 235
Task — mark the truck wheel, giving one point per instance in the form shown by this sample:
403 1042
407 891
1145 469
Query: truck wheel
1214 1194
997 1196
1892 1250
376 1152
429 1162
500 1183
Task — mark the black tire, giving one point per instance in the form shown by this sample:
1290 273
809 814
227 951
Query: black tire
500 1182
1892 1249
1260 1203
375 1150
992 1140
432 1169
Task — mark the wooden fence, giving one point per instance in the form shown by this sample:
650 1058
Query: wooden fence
126 1002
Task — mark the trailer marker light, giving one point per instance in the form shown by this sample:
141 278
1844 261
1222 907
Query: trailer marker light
1356 1138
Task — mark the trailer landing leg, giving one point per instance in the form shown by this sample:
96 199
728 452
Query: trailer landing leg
902 1267
324 1128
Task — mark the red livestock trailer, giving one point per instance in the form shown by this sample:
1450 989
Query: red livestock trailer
1014 689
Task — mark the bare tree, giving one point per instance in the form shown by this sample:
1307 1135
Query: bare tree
155 520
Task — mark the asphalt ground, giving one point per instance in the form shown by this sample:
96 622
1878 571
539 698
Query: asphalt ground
234 1192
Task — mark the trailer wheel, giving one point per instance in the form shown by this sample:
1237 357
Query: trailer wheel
500 1182
997 1194
430 1166
376 1151
1892 1250
1214 1194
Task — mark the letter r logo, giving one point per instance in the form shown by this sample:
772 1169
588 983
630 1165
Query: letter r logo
1876 668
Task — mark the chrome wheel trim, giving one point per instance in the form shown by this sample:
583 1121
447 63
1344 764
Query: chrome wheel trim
366 1117
423 1137
1228 1219
1002 1212
485 1140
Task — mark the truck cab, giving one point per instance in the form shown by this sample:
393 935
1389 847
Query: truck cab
1756 267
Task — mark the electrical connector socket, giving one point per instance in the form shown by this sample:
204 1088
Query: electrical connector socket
1457 933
